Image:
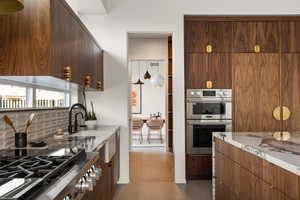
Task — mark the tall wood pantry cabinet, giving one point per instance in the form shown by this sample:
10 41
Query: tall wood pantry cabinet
258 57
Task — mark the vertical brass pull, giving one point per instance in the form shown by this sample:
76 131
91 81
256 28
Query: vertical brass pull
256 48
87 81
286 113
209 48
67 73
99 85
277 113
209 84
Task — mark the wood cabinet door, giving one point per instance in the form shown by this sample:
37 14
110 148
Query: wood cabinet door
290 41
256 91
268 36
244 37
197 70
196 36
199 167
220 36
291 90
219 70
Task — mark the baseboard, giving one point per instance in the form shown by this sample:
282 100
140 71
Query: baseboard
180 181
123 181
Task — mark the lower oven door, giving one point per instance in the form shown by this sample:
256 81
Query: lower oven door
199 134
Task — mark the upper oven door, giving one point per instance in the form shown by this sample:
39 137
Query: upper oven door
208 109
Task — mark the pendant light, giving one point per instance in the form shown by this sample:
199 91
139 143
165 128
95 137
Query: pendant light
139 82
157 80
11 6
147 75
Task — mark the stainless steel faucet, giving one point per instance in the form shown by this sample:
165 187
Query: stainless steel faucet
70 127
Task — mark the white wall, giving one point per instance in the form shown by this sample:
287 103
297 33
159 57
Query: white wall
158 16
153 98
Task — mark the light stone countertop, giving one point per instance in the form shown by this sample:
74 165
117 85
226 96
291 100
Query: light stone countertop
279 148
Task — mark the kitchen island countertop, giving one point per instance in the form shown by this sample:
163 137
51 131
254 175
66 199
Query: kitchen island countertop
280 148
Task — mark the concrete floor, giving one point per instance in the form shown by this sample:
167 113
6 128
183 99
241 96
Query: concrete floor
151 177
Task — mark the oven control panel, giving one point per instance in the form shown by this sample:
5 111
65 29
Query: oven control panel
209 93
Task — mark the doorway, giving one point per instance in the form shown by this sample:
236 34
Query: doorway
150 105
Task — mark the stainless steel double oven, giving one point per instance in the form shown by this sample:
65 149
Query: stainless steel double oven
208 111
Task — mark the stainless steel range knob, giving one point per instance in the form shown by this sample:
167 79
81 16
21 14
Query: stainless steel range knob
84 185
68 197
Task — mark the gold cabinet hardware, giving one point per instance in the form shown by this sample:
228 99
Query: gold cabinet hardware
67 73
286 113
277 113
209 48
87 81
11 6
99 85
256 48
282 136
209 84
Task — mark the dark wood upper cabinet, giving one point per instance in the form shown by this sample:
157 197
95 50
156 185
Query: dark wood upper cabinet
290 41
268 36
220 37
246 35
196 36
202 67
220 70
200 34
197 70
290 73
256 91
44 38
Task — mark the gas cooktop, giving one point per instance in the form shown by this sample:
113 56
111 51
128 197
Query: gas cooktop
23 173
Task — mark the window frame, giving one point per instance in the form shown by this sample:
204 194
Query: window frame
31 97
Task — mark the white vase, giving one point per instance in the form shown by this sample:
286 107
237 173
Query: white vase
91 124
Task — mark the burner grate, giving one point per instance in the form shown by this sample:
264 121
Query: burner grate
30 167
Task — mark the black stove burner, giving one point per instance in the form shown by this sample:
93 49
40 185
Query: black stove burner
30 167
36 171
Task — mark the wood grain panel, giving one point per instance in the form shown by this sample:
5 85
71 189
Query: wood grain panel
244 37
197 70
268 36
25 39
290 41
196 37
198 167
290 64
257 91
220 36
220 71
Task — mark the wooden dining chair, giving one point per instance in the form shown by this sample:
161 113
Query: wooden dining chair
155 125
137 128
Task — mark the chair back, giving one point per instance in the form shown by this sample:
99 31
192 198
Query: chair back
155 123
137 123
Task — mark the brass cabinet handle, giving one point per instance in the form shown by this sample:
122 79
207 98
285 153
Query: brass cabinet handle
87 81
277 113
67 73
209 48
256 48
209 84
286 113
99 85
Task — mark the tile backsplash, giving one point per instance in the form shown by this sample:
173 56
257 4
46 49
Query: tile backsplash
45 123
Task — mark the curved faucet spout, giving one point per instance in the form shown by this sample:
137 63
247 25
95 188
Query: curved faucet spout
77 105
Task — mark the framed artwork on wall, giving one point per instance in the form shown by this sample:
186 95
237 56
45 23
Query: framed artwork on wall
136 99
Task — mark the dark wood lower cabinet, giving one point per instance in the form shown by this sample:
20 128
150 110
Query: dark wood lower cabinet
239 175
198 167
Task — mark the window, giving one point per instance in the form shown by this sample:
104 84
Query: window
48 99
16 97
13 96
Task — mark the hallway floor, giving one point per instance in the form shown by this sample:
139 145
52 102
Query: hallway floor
151 176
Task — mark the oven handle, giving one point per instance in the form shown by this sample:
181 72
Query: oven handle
208 101
228 122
